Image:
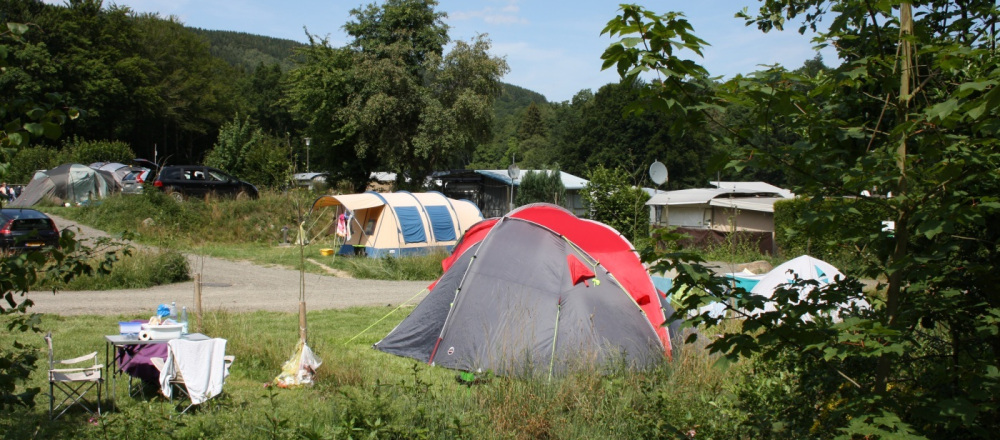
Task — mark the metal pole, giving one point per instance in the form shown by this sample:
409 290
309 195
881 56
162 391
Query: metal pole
308 141
197 299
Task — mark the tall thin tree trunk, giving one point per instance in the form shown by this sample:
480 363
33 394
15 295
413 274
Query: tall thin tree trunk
902 235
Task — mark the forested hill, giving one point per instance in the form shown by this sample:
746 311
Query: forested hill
515 99
247 51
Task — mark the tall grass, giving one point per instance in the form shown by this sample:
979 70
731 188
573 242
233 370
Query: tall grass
364 393
143 268
414 268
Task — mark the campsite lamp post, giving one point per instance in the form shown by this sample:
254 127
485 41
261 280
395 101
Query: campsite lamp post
308 140
513 171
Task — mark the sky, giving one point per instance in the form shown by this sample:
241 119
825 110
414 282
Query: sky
552 47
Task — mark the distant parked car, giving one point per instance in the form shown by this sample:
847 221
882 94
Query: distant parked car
26 229
134 181
186 181
143 171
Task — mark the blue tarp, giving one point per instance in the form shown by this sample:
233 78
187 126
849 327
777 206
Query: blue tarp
441 223
411 224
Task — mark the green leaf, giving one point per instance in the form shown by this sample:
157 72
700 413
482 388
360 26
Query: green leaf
17 28
943 110
52 130
17 139
36 129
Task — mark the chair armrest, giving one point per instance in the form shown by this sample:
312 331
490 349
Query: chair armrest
79 359
76 370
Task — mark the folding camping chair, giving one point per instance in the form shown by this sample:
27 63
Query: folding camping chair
195 369
73 383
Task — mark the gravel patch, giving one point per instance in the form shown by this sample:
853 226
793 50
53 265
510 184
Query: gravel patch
236 286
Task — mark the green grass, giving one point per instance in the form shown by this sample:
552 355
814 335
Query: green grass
364 393
240 230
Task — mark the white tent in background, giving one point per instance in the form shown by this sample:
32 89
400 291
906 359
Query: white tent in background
806 268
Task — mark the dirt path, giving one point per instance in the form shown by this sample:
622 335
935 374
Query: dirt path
230 286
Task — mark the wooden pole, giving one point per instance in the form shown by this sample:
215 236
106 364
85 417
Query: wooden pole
302 321
302 284
197 299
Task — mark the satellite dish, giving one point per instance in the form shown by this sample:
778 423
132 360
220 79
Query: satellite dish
513 171
658 172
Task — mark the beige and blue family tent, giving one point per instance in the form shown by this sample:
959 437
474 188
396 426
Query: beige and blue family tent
399 223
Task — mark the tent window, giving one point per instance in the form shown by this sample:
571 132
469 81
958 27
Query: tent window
411 224
441 224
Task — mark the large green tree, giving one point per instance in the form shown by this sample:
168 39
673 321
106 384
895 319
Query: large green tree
139 79
318 92
245 150
401 104
607 134
22 121
187 94
910 115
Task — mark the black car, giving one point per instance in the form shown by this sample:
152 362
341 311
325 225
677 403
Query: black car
185 181
26 229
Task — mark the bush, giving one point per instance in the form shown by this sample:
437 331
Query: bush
611 200
538 187
28 160
87 151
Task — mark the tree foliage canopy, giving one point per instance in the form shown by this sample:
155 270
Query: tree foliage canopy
611 198
911 111
23 121
401 102
541 187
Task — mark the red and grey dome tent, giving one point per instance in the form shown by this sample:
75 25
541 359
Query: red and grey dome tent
538 291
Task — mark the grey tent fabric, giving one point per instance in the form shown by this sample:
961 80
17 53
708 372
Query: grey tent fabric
73 183
117 171
509 305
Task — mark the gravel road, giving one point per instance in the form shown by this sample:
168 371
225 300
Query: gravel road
229 286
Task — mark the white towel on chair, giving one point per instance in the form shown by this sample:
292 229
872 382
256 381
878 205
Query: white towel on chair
201 364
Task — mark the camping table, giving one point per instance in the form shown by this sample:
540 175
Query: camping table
114 354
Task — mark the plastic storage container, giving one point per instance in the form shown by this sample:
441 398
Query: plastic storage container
163 331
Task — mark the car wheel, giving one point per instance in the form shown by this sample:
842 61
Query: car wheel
242 196
176 195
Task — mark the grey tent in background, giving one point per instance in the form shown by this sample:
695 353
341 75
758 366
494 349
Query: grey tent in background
117 170
69 183
527 301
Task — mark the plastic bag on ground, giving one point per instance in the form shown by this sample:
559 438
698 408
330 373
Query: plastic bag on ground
300 369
